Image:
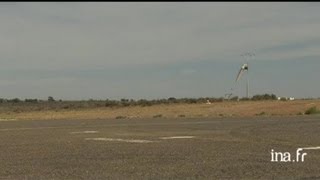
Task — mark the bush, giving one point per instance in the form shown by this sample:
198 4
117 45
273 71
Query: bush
50 99
31 100
283 99
312 110
172 100
120 117
110 103
244 99
234 98
264 97
261 114
143 102
15 100
157 116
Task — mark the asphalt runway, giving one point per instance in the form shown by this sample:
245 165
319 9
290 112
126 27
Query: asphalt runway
159 148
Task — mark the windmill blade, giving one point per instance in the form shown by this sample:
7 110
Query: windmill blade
239 74
244 67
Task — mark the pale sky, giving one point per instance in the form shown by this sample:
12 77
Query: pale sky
100 50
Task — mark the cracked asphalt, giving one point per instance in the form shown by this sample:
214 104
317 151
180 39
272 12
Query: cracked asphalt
159 148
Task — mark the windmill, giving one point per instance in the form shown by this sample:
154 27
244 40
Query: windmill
244 68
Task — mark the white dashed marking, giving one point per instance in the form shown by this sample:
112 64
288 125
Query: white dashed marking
84 132
178 137
120 140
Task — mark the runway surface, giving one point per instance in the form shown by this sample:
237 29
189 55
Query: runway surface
158 148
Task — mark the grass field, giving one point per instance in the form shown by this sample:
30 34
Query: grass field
218 109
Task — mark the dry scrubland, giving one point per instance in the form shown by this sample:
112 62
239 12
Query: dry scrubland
217 109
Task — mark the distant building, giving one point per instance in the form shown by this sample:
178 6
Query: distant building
286 98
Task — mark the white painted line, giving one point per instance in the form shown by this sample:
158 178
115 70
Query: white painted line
124 124
84 132
120 140
311 148
107 125
7 119
177 137
17 129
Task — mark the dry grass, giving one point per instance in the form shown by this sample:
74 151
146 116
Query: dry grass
219 109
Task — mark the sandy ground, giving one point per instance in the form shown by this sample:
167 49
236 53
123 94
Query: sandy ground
219 109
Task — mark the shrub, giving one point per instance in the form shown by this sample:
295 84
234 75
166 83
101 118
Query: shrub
264 97
261 114
312 110
190 101
110 103
120 117
143 102
15 100
234 98
172 100
157 116
244 99
31 100
50 99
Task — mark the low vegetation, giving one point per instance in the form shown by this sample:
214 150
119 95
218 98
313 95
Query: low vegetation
120 117
91 109
18 105
312 110
172 107
264 97
157 116
261 113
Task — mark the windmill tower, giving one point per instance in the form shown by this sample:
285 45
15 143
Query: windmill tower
245 67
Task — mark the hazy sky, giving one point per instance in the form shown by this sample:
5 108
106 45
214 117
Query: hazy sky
99 50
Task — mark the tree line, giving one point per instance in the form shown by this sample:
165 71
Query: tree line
145 102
